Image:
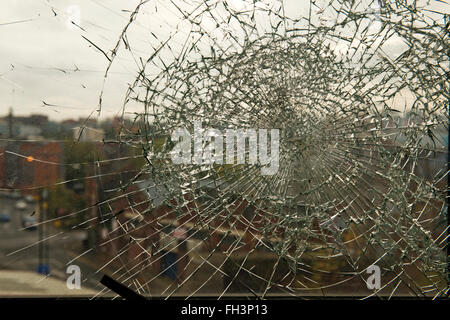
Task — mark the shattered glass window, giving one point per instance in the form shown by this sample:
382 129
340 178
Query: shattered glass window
224 148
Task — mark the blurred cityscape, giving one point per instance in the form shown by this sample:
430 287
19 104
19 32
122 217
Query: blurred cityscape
70 176
47 173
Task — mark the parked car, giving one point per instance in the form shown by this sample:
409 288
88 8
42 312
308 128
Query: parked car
15 195
5 217
4 194
29 198
21 205
29 223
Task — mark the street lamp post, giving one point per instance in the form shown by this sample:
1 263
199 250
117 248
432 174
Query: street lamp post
43 266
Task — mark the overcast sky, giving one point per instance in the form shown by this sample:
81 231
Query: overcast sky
44 58
40 50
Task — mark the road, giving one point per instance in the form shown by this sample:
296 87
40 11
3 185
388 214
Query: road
19 248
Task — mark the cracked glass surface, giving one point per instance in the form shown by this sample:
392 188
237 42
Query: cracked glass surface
358 90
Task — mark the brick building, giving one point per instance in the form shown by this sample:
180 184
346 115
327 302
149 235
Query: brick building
25 165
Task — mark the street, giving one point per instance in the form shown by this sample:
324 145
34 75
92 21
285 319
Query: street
19 249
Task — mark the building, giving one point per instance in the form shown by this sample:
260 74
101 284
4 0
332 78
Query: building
86 134
30 164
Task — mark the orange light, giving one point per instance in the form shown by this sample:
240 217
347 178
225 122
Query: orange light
30 158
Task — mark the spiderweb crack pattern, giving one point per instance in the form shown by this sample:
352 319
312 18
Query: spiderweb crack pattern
361 182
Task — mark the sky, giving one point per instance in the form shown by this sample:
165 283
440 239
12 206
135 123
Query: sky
45 59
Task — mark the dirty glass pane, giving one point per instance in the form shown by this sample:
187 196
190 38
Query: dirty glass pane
224 148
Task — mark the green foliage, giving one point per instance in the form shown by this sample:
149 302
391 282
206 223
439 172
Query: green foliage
82 156
62 199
